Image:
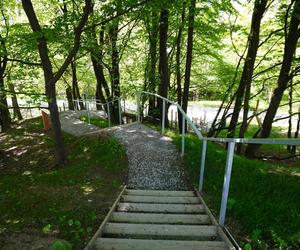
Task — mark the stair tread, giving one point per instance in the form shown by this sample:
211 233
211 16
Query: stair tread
160 199
160 208
159 193
160 230
138 244
160 218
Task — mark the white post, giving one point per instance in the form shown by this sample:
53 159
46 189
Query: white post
108 114
163 117
120 110
229 161
204 145
182 133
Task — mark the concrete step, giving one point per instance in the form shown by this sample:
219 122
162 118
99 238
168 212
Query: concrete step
160 208
160 199
138 244
159 193
160 218
160 231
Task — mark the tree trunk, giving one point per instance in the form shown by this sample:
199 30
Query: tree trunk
189 56
289 50
49 77
163 62
253 40
70 97
5 120
14 101
153 60
289 133
114 70
178 64
76 92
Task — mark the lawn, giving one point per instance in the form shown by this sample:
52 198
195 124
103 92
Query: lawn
95 120
42 204
263 208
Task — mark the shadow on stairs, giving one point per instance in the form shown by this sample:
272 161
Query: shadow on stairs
151 219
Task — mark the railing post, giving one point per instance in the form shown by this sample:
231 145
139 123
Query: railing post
120 110
163 116
138 97
227 175
108 114
204 145
182 134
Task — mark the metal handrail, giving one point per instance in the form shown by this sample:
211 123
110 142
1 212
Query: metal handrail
230 150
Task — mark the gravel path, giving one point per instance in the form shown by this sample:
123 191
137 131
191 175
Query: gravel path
153 159
71 124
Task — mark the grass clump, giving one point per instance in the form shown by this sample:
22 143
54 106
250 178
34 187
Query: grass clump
42 201
94 120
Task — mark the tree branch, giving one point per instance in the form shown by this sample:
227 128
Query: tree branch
24 62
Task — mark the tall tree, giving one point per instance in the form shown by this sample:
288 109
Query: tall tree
50 77
163 60
189 56
245 82
290 45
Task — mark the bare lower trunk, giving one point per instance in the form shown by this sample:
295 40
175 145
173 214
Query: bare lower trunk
14 101
69 98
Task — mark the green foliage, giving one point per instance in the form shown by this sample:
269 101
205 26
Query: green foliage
97 121
61 245
263 197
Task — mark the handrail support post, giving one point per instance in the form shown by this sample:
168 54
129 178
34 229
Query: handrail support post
182 136
203 156
227 175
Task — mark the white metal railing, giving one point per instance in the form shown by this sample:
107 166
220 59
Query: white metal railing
230 150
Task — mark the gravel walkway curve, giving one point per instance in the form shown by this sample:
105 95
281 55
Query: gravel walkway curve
153 159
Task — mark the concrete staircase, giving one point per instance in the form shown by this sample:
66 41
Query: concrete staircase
149 220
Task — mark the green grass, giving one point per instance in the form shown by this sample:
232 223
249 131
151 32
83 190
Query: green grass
97 121
263 199
66 202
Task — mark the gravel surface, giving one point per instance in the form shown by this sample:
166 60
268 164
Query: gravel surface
153 159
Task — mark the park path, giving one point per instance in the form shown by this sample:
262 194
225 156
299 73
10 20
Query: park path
153 161
71 124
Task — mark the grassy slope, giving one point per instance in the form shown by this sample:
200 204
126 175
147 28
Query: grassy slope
97 121
263 199
67 202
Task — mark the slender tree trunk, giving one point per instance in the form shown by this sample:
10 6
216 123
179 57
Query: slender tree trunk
178 64
70 97
5 120
289 50
76 92
189 56
114 70
14 101
289 133
153 60
163 61
253 40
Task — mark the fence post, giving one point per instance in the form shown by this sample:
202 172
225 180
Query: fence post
163 117
204 145
138 95
120 111
182 135
108 114
227 175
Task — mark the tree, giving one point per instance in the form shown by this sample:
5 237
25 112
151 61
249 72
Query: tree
245 82
290 45
50 77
